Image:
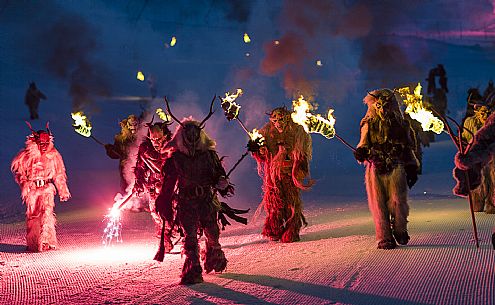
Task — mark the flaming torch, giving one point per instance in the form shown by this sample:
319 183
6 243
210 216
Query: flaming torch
315 123
82 126
417 111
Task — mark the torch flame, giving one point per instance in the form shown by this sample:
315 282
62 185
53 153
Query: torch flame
140 76
229 106
173 41
312 123
417 111
81 125
164 116
256 136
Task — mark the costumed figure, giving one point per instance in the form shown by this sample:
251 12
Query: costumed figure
121 149
32 100
151 156
474 98
387 148
38 169
193 174
283 163
438 94
483 195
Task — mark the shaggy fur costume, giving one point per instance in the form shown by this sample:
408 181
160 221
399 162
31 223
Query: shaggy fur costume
283 165
121 150
477 160
191 175
38 174
483 195
389 143
149 176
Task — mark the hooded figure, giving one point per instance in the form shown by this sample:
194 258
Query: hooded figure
38 169
283 164
387 148
32 100
151 156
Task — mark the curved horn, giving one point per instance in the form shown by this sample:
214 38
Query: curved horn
30 127
47 126
151 122
170 112
209 113
375 96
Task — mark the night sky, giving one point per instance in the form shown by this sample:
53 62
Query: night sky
84 55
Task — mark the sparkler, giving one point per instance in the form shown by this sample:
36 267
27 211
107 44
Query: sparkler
82 126
113 229
417 111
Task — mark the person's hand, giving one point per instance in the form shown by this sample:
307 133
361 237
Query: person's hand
254 145
65 197
361 154
462 161
411 175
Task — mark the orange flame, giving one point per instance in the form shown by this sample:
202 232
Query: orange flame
417 111
81 125
313 123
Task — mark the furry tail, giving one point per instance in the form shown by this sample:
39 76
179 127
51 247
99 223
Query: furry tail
160 254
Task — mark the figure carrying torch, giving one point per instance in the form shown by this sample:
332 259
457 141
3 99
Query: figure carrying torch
387 148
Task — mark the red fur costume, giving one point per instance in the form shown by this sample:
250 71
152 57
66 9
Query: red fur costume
387 148
283 163
38 169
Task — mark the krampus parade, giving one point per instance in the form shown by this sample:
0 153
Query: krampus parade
176 174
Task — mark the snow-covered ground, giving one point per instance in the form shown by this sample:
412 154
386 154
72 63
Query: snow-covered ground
336 262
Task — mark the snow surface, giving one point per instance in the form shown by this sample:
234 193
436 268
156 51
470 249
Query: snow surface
336 262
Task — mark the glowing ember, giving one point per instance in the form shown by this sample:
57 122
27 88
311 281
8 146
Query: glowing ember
81 125
164 116
416 110
229 106
173 41
246 38
319 63
276 42
140 76
313 123
256 136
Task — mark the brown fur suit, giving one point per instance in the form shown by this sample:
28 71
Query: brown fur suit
483 196
479 156
191 175
37 174
283 163
387 148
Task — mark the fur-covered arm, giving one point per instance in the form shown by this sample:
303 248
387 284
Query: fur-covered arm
140 169
363 149
482 149
60 177
19 169
223 185
410 159
164 202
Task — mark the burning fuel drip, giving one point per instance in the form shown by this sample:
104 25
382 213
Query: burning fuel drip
312 123
229 106
417 111
81 125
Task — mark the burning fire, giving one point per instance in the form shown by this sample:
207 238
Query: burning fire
173 41
81 125
164 116
256 136
229 106
246 38
140 76
310 122
417 111
113 230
